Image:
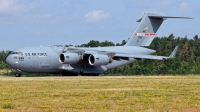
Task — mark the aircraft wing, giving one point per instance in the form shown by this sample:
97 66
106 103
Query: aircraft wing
90 51
124 55
146 56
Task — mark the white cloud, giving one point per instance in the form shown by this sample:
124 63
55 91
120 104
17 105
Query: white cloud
183 5
96 15
10 6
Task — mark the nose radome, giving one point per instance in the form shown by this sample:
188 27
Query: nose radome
9 60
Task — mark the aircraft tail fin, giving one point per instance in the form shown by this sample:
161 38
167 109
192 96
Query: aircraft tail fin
147 28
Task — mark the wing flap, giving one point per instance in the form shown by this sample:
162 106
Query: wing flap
141 56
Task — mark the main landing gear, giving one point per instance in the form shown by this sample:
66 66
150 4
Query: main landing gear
89 74
81 73
69 74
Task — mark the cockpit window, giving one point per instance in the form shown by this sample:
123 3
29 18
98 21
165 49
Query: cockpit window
18 53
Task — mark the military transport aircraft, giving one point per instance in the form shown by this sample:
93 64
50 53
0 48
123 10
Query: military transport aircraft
71 61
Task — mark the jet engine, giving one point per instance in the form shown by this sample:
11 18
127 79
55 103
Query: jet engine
70 58
99 59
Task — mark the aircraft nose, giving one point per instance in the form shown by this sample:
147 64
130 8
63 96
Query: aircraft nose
9 60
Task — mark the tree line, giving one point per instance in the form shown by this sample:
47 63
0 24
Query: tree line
187 60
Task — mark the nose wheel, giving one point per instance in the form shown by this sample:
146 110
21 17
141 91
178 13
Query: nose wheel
17 74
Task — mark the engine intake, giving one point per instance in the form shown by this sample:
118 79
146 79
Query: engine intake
99 59
70 58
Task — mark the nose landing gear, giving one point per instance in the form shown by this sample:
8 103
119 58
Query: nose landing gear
17 74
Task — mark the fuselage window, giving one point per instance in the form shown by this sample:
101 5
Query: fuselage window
18 53
13 53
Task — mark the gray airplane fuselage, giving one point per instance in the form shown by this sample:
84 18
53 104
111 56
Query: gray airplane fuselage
46 59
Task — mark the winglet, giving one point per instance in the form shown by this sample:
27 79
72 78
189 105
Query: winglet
172 55
174 52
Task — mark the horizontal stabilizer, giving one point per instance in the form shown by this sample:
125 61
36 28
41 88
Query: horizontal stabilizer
170 17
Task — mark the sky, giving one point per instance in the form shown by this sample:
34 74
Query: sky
62 22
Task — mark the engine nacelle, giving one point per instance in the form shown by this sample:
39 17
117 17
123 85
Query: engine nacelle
70 58
99 59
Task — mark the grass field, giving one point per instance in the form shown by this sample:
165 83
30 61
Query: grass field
107 94
4 71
